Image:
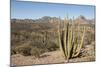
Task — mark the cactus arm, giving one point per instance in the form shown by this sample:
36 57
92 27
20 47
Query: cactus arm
69 45
60 38
81 44
75 46
76 36
65 36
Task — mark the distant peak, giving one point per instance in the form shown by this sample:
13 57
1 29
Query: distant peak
82 17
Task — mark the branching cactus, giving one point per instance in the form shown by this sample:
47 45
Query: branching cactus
68 39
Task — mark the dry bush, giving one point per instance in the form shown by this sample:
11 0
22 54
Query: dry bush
36 52
23 50
89 37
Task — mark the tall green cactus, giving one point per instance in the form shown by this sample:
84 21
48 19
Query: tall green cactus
68 42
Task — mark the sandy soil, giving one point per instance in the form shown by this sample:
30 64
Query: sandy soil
53 57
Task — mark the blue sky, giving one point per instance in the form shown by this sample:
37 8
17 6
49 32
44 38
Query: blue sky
33 10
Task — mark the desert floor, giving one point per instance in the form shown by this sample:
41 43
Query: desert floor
88 54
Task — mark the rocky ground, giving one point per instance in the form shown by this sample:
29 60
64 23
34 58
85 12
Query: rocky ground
88 54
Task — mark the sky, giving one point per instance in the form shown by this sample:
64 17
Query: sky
35 10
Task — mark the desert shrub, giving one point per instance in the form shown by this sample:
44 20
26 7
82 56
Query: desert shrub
89 38
28 42
24 50
51 46
35 52
13 51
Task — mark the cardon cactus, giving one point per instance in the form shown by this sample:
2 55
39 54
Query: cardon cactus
68 38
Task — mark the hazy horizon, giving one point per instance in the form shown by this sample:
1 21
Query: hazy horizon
52 17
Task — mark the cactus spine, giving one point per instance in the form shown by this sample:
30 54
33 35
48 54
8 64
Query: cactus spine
68 41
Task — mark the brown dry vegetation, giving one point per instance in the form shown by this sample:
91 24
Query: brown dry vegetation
33 42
